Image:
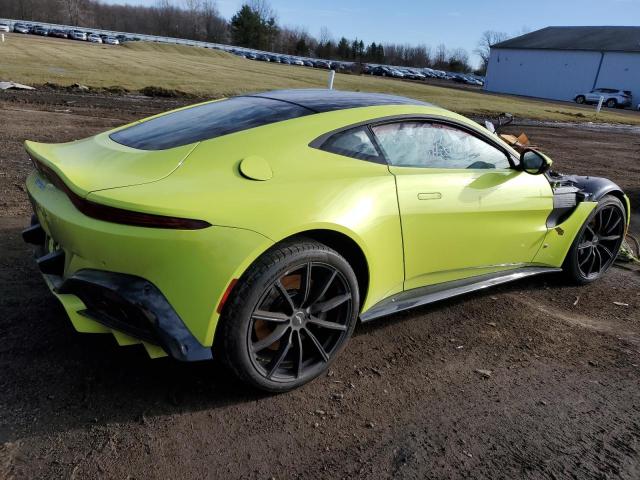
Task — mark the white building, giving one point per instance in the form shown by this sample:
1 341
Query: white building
560 62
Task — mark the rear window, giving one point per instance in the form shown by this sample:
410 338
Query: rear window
204 122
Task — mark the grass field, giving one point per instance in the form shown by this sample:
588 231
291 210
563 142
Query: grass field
210 73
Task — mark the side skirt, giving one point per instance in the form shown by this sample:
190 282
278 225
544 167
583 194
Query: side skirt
434 293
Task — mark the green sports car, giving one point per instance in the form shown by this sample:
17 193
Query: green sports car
258 229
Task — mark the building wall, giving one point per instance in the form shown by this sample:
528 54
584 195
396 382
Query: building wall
561 74
621 70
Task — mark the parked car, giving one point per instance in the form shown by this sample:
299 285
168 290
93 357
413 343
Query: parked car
40 30
380 71
308 63
111 41
413 74
613 98
77 35
94 38
58 33
4 27
274 283
21 28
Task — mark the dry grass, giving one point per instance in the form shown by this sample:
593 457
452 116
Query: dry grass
210 73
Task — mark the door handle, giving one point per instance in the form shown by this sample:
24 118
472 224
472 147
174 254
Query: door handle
430 196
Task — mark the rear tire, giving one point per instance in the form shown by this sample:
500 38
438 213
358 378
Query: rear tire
580 99
598 242
289 317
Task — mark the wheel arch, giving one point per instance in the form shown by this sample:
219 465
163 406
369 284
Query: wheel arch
598 187
341 242
347 247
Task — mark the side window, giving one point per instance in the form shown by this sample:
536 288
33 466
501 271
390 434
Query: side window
354 143
433 145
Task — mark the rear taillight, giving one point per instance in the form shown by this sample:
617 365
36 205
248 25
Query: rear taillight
118 215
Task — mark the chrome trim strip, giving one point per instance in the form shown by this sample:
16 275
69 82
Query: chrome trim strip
433 293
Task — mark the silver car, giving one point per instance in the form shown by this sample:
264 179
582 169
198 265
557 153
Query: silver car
4 27
78 35
612 97
20 28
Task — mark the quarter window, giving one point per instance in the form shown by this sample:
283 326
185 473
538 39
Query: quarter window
354 142
434 145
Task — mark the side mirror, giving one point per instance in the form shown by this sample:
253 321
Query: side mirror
534 162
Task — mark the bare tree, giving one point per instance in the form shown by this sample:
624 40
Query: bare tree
263 8
73 8
325 36
440 57
459 60
488 39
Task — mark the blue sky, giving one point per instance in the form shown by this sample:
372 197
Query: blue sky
455 23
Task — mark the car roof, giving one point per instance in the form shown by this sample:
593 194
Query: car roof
323 100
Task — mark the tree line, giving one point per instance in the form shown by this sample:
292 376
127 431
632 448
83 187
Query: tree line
254 25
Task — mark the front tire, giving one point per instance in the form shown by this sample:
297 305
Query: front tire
611 103
289 317
598 242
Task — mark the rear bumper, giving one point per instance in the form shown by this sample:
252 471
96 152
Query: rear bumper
168 281
120 302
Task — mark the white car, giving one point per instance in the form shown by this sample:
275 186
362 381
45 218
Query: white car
112 41
4 27
78 35
613 98
94 38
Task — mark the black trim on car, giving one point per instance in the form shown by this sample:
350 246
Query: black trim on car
134 306
420 296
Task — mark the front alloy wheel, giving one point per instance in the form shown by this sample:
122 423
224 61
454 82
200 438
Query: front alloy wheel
289 317
598 242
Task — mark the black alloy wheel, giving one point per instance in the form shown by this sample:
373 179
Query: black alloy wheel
289 316
598 242
301 319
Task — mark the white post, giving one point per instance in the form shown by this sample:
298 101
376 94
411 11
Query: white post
3 38
599 107
332 74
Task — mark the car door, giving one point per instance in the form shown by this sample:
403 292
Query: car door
594 95
464 209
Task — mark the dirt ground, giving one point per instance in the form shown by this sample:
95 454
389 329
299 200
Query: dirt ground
404 400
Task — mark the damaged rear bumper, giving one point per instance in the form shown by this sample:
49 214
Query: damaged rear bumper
132 308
